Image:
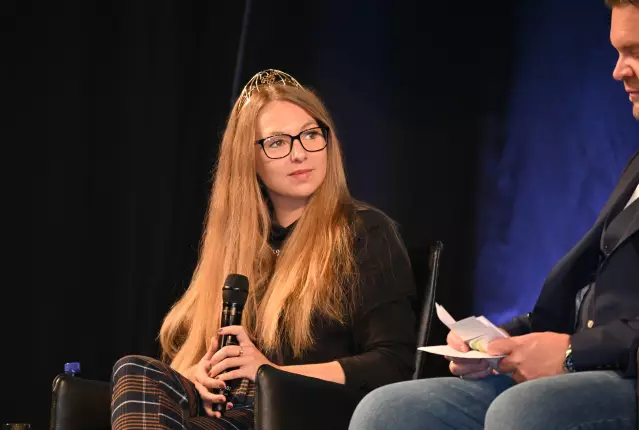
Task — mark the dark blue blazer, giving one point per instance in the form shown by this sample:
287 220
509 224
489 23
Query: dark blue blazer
611 338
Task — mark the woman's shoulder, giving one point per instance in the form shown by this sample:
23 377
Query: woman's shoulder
381 254
370 220
375 232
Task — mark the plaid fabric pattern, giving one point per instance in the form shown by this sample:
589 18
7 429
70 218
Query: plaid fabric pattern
148 394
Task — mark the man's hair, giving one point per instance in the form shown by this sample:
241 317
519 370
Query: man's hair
615 3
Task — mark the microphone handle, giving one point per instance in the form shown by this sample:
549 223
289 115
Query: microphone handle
231 315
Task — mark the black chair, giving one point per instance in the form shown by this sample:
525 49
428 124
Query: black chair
80 404
429 280
284 400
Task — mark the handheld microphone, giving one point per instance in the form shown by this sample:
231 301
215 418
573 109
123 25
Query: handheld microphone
234 294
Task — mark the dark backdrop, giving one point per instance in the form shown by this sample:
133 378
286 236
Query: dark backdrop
125 103
122 104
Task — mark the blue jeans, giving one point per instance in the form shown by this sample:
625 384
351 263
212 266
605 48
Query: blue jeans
584 400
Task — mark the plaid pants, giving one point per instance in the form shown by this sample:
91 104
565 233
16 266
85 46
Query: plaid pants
148 394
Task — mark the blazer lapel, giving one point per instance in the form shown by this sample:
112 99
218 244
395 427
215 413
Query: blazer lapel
630 176
623 192
631 228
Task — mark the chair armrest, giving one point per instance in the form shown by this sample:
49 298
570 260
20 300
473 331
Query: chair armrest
287 401
80 404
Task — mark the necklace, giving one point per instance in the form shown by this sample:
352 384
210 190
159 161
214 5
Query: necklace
276 252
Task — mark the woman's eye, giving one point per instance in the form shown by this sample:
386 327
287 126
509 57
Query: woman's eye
311 135
275 143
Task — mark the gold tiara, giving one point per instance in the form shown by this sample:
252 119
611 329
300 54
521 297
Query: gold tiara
266 77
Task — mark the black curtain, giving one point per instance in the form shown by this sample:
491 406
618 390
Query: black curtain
126 104
122 104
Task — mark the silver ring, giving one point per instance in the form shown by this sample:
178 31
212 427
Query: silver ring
241 352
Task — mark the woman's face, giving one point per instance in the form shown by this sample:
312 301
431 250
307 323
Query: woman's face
296 174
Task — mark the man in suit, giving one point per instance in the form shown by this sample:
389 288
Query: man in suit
571 362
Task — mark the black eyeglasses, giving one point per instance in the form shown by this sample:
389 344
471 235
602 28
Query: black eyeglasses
279 146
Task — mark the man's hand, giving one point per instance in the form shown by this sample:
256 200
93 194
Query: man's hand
463 367
531 356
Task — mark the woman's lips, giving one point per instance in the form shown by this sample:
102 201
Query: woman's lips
301 174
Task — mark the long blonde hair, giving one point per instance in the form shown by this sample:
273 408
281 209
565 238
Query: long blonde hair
313 274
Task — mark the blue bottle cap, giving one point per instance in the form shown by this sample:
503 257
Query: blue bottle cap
73 367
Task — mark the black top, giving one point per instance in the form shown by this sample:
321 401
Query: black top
378 346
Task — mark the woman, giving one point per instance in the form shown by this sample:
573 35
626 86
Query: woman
330 285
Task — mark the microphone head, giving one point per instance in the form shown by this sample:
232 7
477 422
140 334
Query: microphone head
235 289
237 282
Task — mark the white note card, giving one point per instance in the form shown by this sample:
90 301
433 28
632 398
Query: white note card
476 332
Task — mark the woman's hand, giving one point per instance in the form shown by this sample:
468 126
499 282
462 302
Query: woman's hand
199 375
244 359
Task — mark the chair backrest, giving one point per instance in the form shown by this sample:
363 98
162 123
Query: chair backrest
428 284
80 404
